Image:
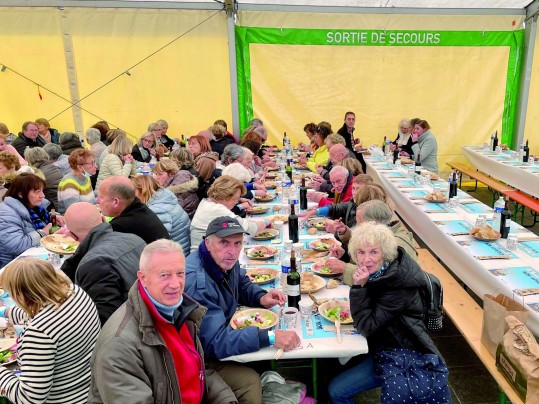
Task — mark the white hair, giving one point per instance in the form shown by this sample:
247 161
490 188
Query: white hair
373 234
339 170
238 171
159 246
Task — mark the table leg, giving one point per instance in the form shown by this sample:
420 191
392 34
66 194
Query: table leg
314 364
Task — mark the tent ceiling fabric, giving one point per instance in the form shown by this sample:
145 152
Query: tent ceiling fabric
442 4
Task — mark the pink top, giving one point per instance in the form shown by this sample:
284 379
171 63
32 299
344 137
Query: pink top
11 150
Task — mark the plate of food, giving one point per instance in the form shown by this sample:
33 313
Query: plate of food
59 244
406 160
336 310
261 318
311 283
262 276
270 184
485 233
320 268
261 252
318 222
266 234
267 198
282 218
436 197
258 210
9 355
322 244
272 169
431 176
270 176
301 167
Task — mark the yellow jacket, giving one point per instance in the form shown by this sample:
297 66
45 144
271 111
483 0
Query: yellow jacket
320 156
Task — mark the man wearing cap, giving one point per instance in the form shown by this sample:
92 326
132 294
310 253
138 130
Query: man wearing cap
214 279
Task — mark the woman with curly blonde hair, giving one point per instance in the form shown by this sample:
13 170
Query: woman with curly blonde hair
50 308
223 195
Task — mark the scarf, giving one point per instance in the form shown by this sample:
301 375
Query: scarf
166 311
379 273
39 216
403 139
143 152
208 263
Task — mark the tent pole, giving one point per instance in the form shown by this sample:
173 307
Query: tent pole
69 54
230 6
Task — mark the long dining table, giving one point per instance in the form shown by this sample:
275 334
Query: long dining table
505 167
318 335
486 267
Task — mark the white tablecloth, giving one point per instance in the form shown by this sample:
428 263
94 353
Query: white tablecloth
351 345
472 271
502 167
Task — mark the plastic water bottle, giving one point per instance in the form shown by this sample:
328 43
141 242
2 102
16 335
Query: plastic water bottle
175 146
146 169
287 182
285 264
498 208
491 141
153 162
521 152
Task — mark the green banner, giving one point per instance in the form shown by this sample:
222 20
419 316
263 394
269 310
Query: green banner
327 37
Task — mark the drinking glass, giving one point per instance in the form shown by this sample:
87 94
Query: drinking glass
290 317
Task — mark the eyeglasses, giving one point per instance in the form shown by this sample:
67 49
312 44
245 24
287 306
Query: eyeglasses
89 163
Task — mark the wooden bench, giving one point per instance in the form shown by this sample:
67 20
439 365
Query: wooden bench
522 201
497 187
467 316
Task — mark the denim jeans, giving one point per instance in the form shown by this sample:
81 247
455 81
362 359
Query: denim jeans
350 383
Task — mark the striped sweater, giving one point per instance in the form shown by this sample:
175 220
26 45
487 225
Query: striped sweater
74 189
54 353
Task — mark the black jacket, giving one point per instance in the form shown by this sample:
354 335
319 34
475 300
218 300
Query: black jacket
388 310
407 147
137 155
347 137
22 142
166 141
138 219
345 211
218 146
105 266
70 146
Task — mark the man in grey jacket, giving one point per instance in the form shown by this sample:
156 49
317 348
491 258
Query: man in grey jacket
105 263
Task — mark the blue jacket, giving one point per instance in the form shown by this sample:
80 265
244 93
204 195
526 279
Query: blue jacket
209 288
165 205
17 232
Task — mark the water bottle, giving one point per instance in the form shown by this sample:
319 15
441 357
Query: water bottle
175 146
521 152
153 162
146 169
287 182
492 141
498 208
285 264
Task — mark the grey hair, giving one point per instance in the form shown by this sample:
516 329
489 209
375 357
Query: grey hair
373 234
375 211
35 156
247 151
158 246
232 151
256 122
53 150
183 157
238 171
339 170
334 139
125 192
261 131
162 123
68 137
93 135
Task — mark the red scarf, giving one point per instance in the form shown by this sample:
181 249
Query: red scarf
187 361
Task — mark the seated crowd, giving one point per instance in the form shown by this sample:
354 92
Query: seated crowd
159 259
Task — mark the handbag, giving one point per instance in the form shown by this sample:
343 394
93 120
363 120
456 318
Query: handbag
411 377
495 309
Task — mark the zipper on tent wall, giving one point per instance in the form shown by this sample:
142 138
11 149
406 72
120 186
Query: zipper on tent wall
71 69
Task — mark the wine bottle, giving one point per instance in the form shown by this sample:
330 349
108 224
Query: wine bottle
526 156
55 227
495 141
303 194
384 145
293 225
505 220
182 141
284 140
293 283
395 155
418 164
453 184
288 169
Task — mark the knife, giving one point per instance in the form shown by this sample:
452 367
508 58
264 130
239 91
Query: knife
493 257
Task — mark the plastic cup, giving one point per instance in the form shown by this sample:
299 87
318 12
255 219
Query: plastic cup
290 317
512 242
278 224
305 307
